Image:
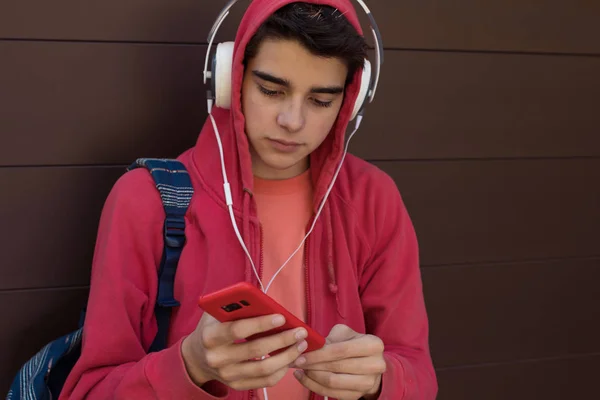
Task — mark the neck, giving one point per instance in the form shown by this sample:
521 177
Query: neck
263 171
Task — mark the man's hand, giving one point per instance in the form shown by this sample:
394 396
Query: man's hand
212 352
348 367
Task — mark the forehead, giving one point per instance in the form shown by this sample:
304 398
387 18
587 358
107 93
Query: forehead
290 60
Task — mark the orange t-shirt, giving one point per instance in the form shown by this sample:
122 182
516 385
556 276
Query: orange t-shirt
284 209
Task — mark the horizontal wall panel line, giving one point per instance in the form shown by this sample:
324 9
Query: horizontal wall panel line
500 52
5 167
524 361
412 49
478 159
399 160
484 264
43 289
125 42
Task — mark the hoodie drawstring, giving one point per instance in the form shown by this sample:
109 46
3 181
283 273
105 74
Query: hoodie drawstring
246 231
333 287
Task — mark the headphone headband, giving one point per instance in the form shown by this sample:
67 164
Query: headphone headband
374 31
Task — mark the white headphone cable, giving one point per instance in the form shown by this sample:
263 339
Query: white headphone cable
228 196
358 121
229 199
229 202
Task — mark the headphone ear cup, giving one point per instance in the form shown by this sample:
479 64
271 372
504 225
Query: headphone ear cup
365 82
221 74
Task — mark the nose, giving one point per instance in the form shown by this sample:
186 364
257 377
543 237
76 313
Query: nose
291 117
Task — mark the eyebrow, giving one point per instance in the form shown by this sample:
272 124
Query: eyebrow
286 83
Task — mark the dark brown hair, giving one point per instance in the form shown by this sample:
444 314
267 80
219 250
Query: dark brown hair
321 29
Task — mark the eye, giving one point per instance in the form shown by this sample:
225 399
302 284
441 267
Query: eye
323 103
267 92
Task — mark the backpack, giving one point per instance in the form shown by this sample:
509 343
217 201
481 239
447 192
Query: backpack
43 376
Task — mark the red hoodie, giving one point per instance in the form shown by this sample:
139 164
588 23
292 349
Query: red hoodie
362 266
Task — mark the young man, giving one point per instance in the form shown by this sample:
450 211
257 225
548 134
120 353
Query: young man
356 280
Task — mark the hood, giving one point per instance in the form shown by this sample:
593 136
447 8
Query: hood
325 159
236 151
231 123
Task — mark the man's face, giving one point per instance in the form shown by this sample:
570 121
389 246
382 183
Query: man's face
290 100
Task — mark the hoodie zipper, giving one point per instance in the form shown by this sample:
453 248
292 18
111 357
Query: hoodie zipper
307 283
307 286
261 262
308 300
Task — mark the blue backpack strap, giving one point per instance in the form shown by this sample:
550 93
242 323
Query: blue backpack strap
43 376
173 182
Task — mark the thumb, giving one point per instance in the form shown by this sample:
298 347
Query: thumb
341 333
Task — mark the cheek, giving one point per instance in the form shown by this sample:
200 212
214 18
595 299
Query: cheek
261 105
322 126
255 101
255 114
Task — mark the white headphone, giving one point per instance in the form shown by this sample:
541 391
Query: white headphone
222 64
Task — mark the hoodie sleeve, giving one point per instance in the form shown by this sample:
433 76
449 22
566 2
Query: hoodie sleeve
120 323
392 297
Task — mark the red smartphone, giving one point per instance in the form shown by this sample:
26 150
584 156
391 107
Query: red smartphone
243 300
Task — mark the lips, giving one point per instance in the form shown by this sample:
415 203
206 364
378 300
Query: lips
284 142
284 146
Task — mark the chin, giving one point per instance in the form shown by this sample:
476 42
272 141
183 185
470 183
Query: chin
282 162
281 165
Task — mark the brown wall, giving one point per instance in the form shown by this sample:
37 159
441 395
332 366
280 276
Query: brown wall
486 117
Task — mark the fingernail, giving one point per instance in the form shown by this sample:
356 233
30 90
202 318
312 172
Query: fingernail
298 374
278 320
300 361
302 346
301 334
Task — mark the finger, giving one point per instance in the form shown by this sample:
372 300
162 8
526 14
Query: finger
353 383
364 346
229 332
354 366
263 368
341 333
322 390
258 348
258 383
